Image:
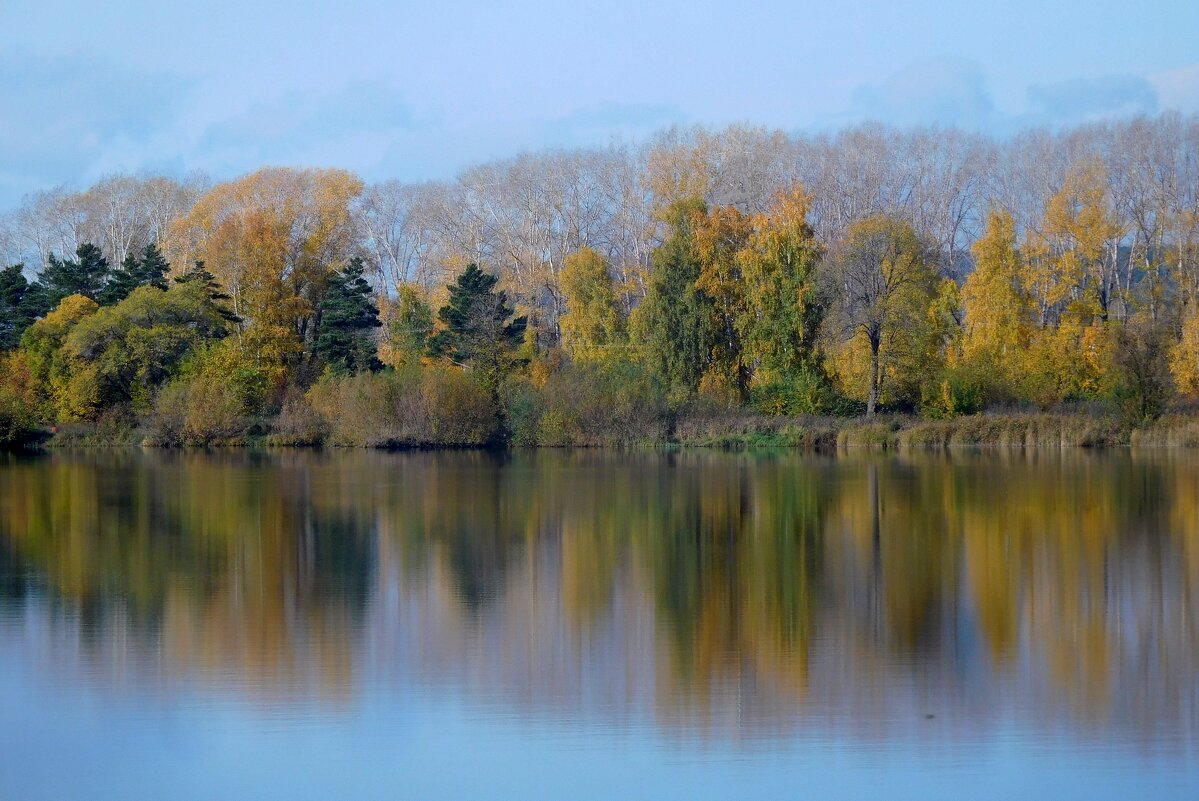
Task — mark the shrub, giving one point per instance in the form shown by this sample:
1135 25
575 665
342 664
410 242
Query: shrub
227 362
591 403
805 392
298 423
458 409
959 391
197 412
361 409
411 407
521 402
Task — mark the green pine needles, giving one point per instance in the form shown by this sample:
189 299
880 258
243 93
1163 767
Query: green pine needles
480 331
348 317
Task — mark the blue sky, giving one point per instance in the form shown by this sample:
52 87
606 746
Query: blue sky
419 90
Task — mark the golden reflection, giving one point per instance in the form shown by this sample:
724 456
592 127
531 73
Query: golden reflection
714 589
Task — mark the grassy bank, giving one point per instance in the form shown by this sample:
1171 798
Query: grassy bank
730 430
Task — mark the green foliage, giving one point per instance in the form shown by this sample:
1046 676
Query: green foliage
786 309
85 275
226 361
801 391
959 391
149 268
90 358
348 315
478 333
674 324
16 301
196 274
42 345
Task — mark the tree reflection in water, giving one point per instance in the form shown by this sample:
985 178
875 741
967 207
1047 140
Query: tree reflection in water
724 594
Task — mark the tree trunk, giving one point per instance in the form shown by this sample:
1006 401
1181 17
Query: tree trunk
872 397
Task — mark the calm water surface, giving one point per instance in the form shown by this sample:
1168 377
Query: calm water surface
597 625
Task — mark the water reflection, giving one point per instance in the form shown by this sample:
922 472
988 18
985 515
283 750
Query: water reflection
718 595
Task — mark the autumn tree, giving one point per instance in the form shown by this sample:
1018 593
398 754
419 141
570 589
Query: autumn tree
270 238
1083 236
1184 357
592 324
49 370
996 305
345 338
19 403
783 311
881 285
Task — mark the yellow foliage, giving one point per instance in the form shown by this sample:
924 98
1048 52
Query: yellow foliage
1070 361
63 386
995 302
1073 255
271 238
1184 357
592 325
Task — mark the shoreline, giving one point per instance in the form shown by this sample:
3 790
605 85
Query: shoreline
739 431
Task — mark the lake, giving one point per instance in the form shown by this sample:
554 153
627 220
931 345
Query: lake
595 624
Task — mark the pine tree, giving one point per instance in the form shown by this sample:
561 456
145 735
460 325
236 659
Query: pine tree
219 298
121 283
154 267
478 333
148 269
15 312
85 275
347 316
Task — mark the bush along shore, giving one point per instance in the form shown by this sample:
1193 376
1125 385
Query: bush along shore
439 410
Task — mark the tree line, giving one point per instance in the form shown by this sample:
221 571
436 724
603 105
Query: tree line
592 295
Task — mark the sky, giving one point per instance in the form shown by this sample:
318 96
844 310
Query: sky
418 91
